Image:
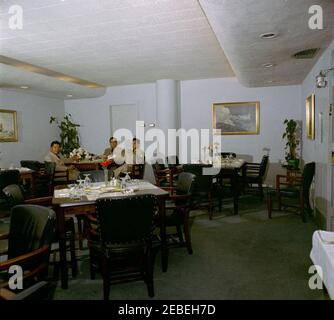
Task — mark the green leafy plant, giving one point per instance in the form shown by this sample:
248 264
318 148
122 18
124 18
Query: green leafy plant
291 131
69 135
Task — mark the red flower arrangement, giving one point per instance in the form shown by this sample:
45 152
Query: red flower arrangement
106 163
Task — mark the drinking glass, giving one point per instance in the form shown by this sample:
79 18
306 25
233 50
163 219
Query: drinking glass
87 181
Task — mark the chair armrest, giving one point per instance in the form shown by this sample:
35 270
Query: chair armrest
6 294
282 180
24 258
4 236
43 200
176 197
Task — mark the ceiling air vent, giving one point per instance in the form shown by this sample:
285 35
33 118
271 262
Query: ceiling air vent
306 54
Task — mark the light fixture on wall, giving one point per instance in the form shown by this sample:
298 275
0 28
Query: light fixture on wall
321 78
147 125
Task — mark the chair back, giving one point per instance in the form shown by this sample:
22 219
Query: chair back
227 154
137 171
32 164
14 194
185 183
203 183
8 177
50 168
307 177
172 161
264 166
95 175
31 227
125 219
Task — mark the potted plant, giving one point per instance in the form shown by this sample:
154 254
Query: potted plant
69 135
291 135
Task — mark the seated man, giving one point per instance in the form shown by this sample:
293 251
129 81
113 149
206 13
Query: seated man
55 156
109 152
132 156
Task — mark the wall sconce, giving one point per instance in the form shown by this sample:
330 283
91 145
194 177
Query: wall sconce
147 125
321 78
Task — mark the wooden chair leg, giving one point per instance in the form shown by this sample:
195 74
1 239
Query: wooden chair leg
80 231
106 278
279 198
91 266
269 205
210 208
302 209
261 190
187 236
180 234
149 273
74 261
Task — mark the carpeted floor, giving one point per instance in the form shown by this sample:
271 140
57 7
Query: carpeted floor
235 257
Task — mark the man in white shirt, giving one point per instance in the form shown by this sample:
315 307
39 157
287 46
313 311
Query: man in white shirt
132 156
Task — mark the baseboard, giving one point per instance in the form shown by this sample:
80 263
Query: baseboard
320 220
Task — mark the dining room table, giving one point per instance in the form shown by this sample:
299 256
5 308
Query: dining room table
235 170
68 201
85 165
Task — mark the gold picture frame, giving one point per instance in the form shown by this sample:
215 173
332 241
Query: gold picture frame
310 117
8 126
236 118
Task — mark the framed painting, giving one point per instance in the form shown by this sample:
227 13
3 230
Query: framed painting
310 114
8 126
235 118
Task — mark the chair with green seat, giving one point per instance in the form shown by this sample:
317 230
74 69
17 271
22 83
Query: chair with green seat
296 188
178 207
15 197
7 177
31 231
255 174
120 240
205 191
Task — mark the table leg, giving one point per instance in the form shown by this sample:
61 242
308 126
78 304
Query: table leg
164 246
33 187
62 247
269 204
235 188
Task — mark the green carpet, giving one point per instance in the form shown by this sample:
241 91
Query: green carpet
235 257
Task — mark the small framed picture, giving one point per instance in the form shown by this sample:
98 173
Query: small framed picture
8 126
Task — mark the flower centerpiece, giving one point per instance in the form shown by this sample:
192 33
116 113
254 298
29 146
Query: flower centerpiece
105 164
81 154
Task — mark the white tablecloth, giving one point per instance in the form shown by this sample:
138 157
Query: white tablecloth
322 254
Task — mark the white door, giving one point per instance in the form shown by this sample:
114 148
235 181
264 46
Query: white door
123 116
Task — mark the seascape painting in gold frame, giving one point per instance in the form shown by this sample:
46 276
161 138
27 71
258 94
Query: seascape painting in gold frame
236 118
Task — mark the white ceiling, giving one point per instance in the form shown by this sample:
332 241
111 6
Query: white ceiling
115 42
239 23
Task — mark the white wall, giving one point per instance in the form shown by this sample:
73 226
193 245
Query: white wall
314 150
276 104
34 131
94 118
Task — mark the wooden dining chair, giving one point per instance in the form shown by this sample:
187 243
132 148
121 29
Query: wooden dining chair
31 232
15 197
120 240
